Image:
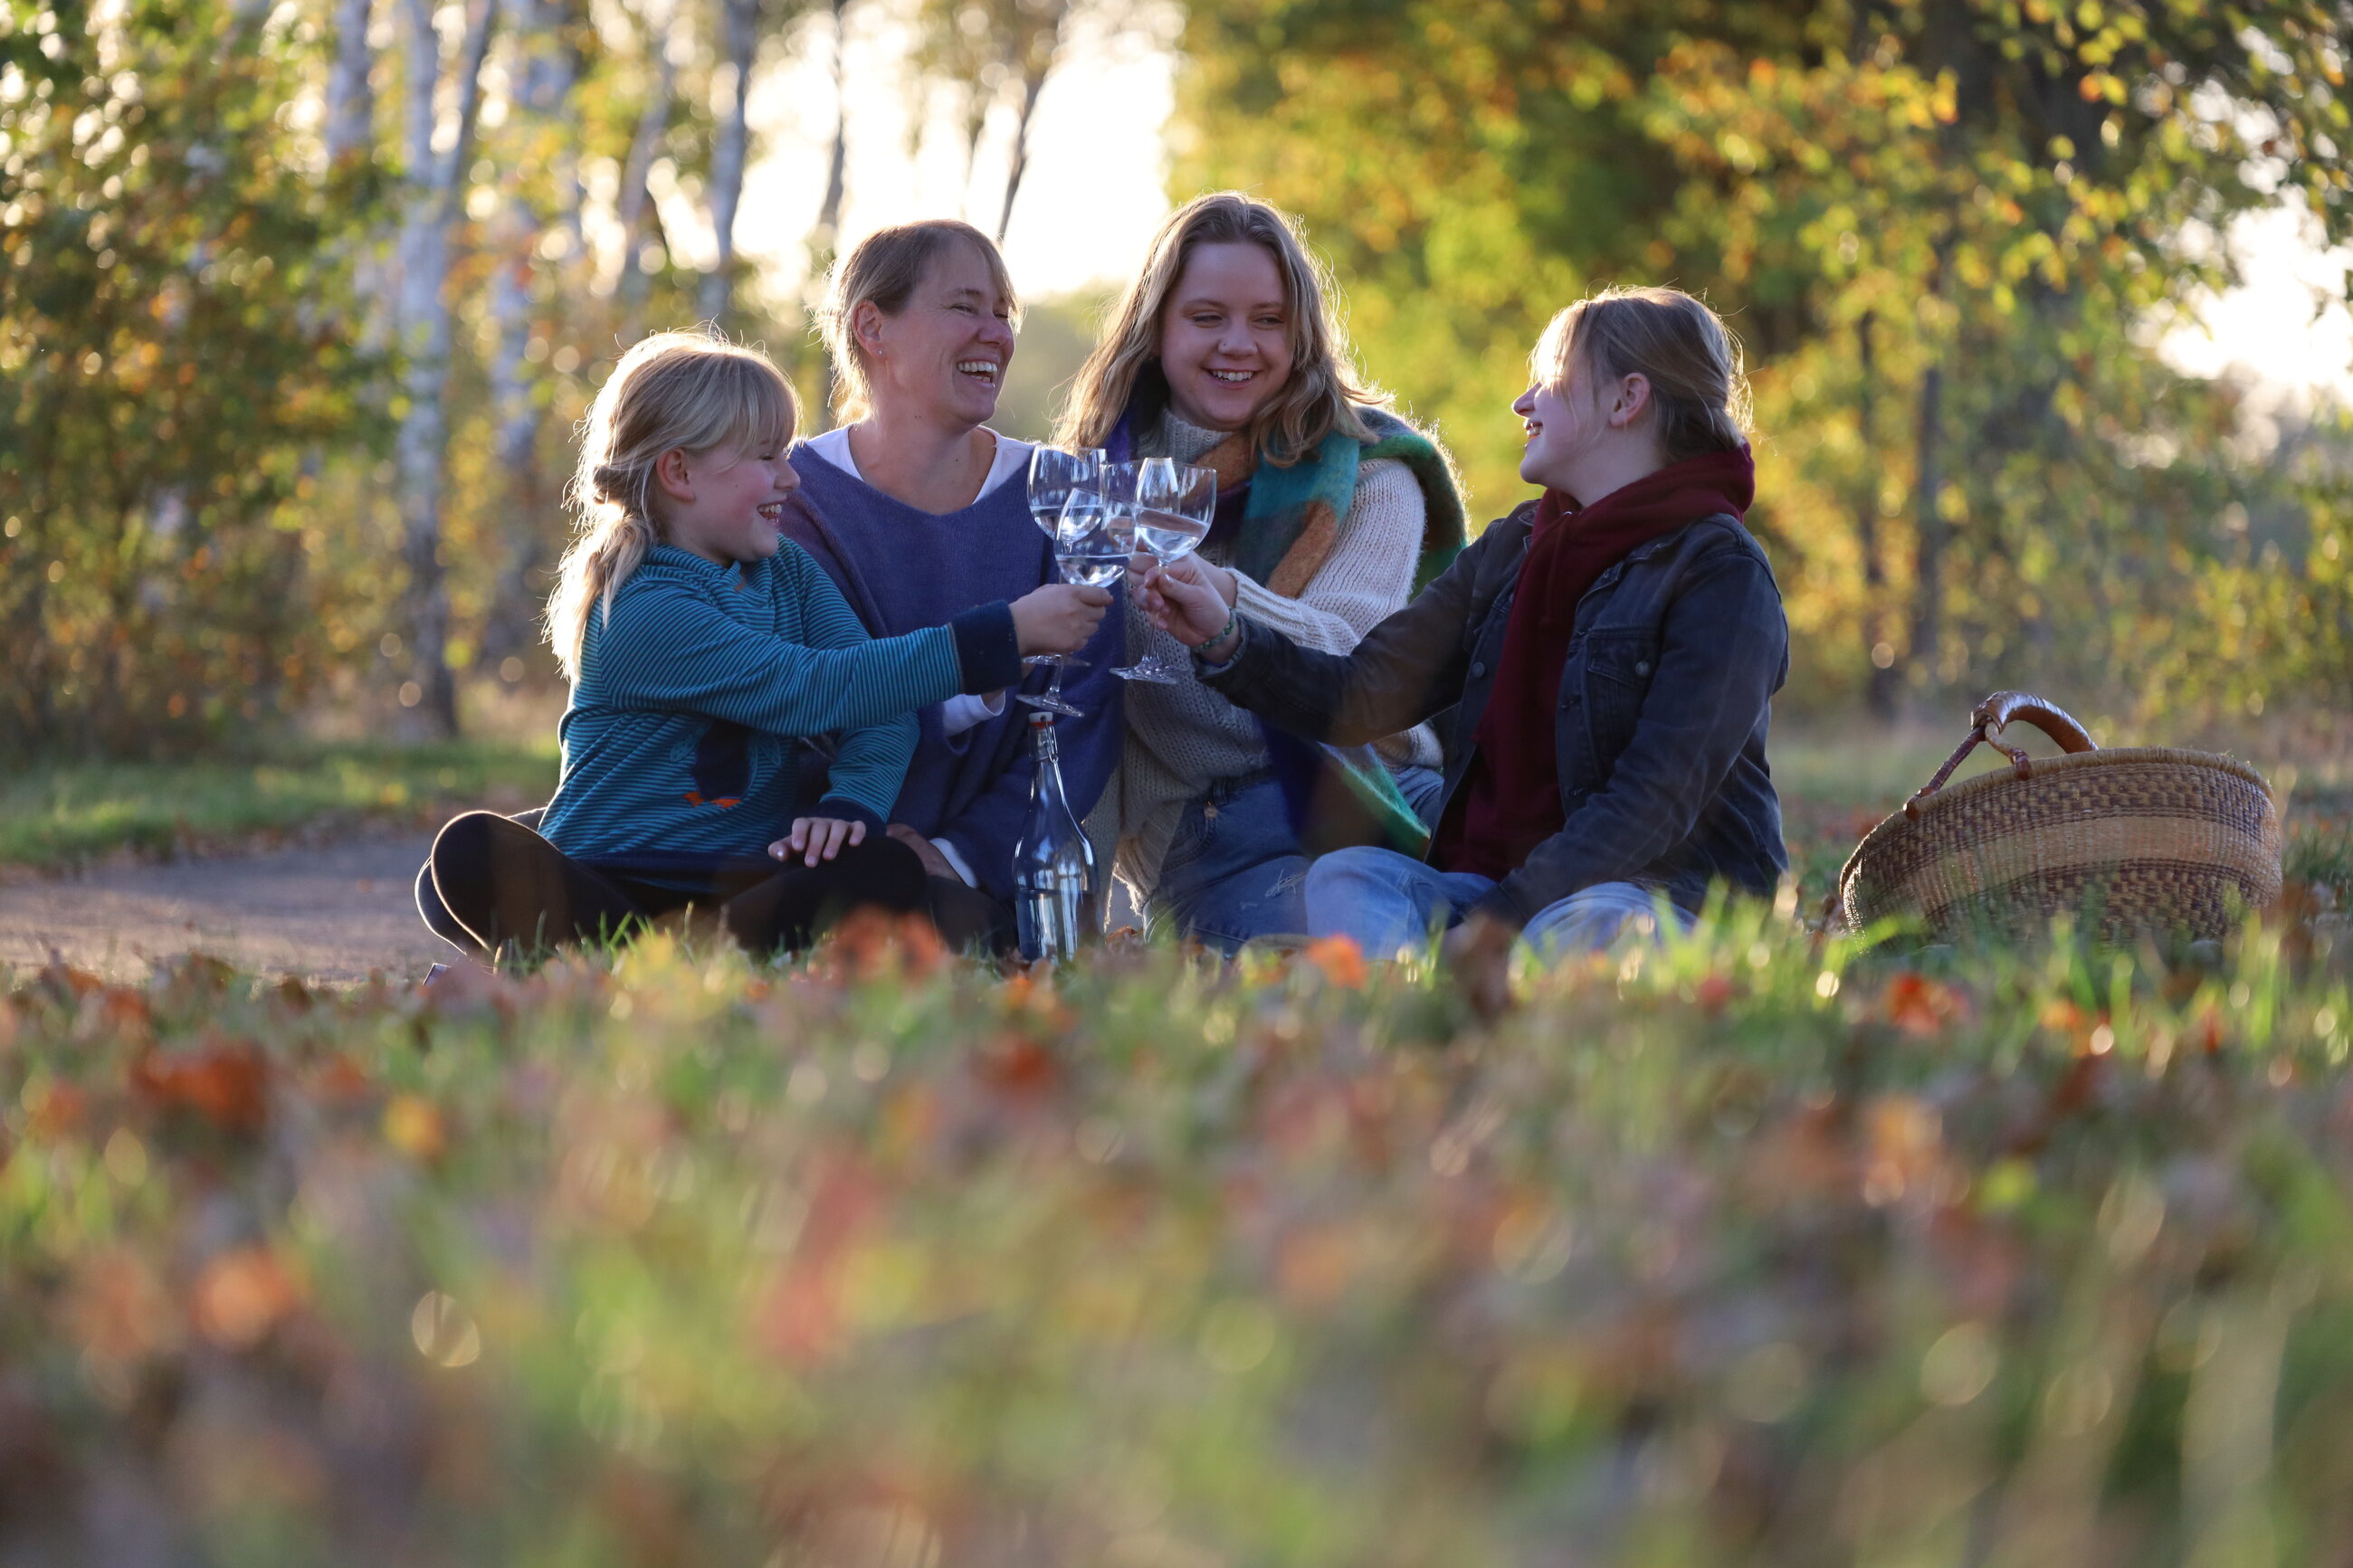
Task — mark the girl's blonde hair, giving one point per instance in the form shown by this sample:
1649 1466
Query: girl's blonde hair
1322 392
883 269
690 390
1699 385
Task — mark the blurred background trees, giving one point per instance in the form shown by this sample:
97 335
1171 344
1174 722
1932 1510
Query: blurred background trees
177 362
300 303
1944 229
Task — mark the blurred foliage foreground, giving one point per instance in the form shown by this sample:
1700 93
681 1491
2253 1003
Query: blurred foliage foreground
1753 1250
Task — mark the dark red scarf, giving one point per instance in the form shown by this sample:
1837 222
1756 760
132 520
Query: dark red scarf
1510 803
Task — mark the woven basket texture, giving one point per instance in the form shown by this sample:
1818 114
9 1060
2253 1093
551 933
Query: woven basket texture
2139 839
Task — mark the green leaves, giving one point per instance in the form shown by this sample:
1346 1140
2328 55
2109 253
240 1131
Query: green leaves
168 298
2013 194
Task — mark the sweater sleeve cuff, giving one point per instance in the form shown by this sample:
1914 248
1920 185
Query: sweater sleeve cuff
988 655
848 810
1207 670
1253 598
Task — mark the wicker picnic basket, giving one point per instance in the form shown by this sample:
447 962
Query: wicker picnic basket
2149 839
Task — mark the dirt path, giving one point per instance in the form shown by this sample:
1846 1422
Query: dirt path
327 912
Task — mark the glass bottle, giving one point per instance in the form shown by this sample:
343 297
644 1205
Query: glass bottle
1053 865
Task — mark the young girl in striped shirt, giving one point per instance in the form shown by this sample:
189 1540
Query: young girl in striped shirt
702 648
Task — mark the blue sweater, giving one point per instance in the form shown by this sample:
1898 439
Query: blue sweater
678 740
901 568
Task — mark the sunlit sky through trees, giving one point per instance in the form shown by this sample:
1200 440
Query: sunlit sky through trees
226 507
1094 192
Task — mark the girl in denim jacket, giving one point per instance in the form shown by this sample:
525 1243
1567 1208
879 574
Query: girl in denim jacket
1611 650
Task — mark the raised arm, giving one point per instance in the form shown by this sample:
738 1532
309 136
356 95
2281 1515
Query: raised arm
668 647
1409 668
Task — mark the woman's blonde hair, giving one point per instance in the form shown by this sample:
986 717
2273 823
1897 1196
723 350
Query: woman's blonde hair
1322 392
690 390
883 269
1699 386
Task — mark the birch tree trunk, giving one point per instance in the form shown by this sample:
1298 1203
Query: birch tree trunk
421 446
826 233
993 51
637 212
730 151
544 81
1033 82
351 99
1039 48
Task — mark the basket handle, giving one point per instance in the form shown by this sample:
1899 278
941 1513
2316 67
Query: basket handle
1988 718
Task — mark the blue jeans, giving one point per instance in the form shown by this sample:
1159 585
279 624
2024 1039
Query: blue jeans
1424 790
1235 871
1387 901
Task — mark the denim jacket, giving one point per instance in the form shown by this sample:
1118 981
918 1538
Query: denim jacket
1664 702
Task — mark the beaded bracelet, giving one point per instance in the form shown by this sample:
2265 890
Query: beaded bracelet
1234 618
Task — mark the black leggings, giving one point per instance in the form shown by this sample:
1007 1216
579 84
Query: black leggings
491 880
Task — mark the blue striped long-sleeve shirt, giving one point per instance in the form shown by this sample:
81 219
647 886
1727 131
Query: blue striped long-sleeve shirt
677 743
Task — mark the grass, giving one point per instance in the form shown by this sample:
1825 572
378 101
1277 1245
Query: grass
2322 855
1750 1251
1757 1249
1834 783
57 816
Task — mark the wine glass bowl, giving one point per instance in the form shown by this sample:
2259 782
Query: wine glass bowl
1168 526
1097 558
1091 546
1054 475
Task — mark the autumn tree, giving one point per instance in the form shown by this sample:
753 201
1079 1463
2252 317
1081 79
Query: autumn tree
176 345
1941 226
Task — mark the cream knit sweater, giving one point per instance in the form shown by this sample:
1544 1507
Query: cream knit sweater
1181 739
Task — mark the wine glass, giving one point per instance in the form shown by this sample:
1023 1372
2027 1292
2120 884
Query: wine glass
1054 474
1092 548
1169 527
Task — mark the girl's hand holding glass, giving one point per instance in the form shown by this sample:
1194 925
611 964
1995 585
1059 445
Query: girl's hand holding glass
1180 599
1058 618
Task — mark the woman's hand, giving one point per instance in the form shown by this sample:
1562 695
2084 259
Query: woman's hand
819 838
1058 617
934 863
1183 600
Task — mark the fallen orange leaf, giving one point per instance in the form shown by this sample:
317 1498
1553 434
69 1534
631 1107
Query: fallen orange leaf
242 1294
1342 961
227 1084
1919 1006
